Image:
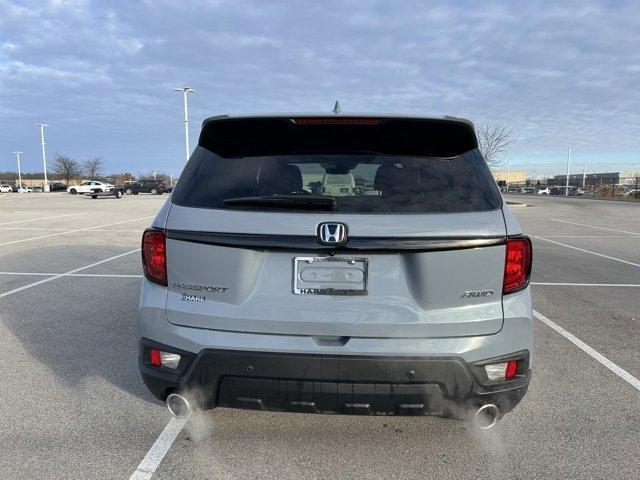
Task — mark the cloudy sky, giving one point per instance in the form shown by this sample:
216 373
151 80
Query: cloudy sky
102 73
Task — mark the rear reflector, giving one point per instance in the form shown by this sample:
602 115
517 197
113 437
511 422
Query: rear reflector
154 256
517 265
502 371
155 357
158 358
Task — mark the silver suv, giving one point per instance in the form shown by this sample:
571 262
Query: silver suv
337 264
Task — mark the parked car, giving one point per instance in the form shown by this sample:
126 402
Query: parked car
632 192
6 188
258 294
57 187
154 187
24 189
544 191
527 191
37 189
89 186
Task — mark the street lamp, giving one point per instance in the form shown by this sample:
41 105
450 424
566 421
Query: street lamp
185 91
45 187
19 174
566 191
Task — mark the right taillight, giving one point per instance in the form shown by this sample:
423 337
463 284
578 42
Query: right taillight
517 265
154 256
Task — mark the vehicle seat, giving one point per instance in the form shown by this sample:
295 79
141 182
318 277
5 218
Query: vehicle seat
279 178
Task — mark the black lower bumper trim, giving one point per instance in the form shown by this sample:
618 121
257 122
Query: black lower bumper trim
444 386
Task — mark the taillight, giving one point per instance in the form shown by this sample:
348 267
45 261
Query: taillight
502 371
154 256
517 265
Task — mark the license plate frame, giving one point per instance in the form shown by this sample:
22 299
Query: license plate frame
349 266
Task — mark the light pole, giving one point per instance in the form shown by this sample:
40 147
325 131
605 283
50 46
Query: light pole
185 91
566 190
45 187
19 174
508 173
584 175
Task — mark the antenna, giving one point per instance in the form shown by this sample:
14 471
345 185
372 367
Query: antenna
336 108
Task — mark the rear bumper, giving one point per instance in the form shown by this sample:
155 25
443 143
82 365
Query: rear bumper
312 383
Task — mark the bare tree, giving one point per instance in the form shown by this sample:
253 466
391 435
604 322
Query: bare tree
66 167
92 168
494 141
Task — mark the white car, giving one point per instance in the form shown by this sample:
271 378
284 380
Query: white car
25 189
89 186
544 191
4 188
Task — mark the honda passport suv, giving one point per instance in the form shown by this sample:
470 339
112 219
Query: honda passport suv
406 295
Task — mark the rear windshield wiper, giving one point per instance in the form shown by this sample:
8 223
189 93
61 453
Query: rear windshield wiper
305 202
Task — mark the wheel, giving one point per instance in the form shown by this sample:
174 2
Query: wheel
94 196
135 193
154 191
128 191
118 193
73 191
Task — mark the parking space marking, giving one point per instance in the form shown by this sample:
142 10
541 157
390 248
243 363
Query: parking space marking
60 275
43 218
97 275
565 284
580 236
587 251
158 450
593 226
621 372
66 229
73 231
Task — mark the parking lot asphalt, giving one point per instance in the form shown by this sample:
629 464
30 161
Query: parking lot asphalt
72 404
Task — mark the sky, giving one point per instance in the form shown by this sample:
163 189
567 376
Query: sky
102 73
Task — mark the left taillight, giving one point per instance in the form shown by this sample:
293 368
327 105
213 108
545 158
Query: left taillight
517 265
154 256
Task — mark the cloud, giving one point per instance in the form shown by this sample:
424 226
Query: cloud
102 72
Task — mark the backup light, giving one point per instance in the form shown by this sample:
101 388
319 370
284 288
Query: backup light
502 371
164 359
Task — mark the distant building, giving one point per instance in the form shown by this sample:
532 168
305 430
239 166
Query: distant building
515 177
604 178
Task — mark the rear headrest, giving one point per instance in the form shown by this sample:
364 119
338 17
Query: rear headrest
279 178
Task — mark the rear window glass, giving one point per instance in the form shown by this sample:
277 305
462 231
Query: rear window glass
356 183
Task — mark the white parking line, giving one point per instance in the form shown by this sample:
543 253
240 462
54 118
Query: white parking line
562 284
73 231
622 373
60 275
587 251
593 226
158 450
99 275
579 236
67 229
43 218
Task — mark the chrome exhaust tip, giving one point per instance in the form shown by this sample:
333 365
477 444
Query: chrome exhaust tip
486 416
178 406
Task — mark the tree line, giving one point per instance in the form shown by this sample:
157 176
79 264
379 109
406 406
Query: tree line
68 169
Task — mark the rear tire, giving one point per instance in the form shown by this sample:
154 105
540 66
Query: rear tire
94 196
154 191
73 191
118 194
135 193
128 191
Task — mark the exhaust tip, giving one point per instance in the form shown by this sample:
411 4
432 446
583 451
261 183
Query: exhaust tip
486 416
178 406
